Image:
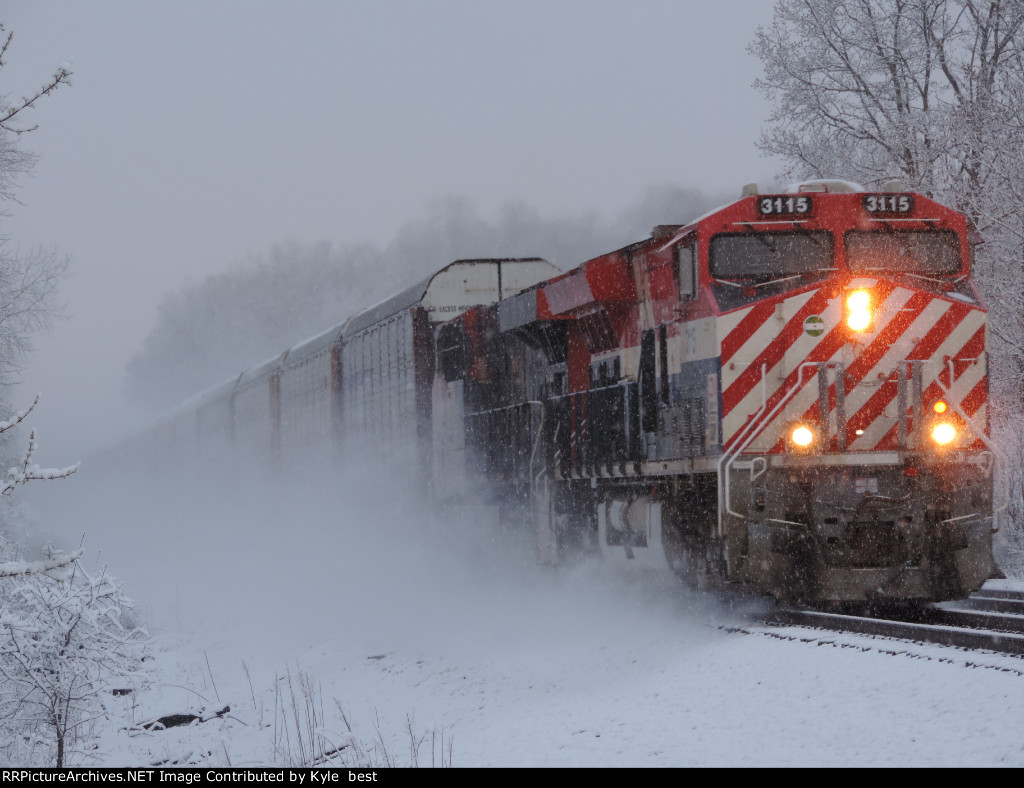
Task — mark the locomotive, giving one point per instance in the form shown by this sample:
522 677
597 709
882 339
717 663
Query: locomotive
787 395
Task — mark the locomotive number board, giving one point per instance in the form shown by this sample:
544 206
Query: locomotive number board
784 205
888 203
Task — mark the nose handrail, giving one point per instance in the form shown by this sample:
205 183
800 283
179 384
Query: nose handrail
747 436
996 453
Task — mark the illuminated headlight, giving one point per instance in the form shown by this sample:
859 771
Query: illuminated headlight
858 310
943 433
802 436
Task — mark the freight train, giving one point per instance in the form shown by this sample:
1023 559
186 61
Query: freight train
787 395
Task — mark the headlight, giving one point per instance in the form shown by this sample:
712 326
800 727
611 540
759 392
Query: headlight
858 310
943 433
802 436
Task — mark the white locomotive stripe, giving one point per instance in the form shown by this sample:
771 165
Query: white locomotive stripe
860 394
747 354
804 399
951 346
868 385
877 429
897 351
726 323
753 401
761 337
791 360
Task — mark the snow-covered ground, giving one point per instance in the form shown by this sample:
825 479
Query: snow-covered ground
350 600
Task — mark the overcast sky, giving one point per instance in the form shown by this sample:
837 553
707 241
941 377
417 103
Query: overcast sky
198 133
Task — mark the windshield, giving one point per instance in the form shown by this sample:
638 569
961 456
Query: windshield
771 255
907 251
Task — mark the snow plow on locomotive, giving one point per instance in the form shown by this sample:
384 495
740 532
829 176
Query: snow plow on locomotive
788 395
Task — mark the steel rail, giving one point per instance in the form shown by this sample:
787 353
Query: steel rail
939 634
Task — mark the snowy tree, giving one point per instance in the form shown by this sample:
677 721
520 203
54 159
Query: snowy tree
68 640
66 635
883 89
26 470
28 280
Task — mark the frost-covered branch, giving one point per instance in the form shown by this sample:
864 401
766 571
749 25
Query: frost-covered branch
21 568
18 417
27 471
8 112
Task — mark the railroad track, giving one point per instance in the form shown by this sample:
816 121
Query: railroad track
991 620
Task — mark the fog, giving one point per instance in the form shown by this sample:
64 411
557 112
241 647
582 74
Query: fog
278 563
208 332
196 136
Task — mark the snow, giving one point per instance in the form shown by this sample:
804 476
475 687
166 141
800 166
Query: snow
444 624
12 568
834 185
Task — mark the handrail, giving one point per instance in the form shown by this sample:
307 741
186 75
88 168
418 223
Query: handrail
743 440
723 491
536 438
999 456
536 441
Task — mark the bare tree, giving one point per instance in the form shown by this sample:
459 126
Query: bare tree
882 89
65 634
14 161
28 280
26 470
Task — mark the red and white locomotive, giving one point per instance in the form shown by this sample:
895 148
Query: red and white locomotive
788 394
